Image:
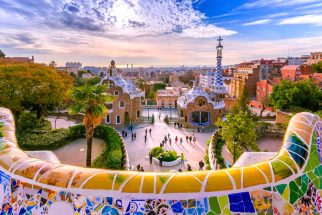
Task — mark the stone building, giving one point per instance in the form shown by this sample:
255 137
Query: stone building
246 75
198 108
126 107
315 58
167 98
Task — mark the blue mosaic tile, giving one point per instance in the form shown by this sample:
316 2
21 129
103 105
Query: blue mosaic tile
241 202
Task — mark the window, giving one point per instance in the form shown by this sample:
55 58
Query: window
109 106
122 104
107 119
138 114
116 92
200 118
118 119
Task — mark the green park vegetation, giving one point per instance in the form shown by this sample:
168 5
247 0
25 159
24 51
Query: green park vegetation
297 97
167 156
317 67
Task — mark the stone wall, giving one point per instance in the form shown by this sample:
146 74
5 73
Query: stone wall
283 117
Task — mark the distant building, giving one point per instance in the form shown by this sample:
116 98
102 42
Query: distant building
315 57
126 107
246 75
207 79
69 70
19 59
77 65
168 97
296 60
293 72
198 108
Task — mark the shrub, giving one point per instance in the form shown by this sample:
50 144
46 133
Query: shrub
77 132
166 119
28 122
169 156
156 151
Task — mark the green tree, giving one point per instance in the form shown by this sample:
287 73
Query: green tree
239 128
2 55
90 100
155 88
32 87
296 95
242 103
265 103
317 67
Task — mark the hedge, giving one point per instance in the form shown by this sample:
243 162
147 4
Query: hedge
113 157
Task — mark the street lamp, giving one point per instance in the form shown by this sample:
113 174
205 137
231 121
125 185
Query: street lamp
170 113
234 143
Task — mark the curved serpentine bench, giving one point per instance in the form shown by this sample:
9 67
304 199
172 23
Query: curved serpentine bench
289 183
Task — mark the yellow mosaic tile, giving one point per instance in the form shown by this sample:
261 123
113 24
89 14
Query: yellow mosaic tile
183 183
133 185
148 183
218 181
99 181
252 176
236 174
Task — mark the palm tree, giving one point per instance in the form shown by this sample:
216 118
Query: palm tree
90 100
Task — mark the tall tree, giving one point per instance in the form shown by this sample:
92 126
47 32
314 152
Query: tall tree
90 100
33 87
239 129
2 55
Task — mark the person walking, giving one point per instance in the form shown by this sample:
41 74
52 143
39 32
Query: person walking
150 156
168 135
150 131
189 167
182 158
176 139
138 167
181 140
190 138
194 140
145 138
135 136
132 135
201 165
146 131
187 138
170 141
203 129
160 160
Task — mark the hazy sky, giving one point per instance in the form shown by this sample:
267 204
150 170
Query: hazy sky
158 32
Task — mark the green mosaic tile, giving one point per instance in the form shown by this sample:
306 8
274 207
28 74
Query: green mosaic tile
224 205
268 188
214 205
211 213
286 194
314 158
280 188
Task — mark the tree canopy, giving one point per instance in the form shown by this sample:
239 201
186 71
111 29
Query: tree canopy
2 55
155 88
33 87
239 128
301 94
317 67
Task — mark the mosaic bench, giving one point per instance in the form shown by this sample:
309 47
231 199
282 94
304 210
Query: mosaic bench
289 183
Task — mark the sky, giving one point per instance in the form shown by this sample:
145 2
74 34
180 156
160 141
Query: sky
159 32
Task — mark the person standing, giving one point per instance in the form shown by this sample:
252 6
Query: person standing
190 138
150 131
138 167
146 131
160 160
187 138
142 170
203 129
201 165
194 140
170 141
150 156
145 138
181 140
189 167
182 159
176 139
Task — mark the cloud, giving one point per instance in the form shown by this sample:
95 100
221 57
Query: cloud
312 19
276 3
258 22
118 17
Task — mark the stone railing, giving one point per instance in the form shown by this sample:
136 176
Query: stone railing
289 183
211 153
126 159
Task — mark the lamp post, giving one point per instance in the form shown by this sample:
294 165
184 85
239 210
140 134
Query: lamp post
234 143
170 113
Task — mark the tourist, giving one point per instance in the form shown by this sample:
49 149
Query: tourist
150 130
150 156
190 138
182 159
132 135
179 170
201 165
203 129
160 160
194 140
187 138
146 131
198 130
125 133
142 170
181 140
175 124
168 135
138 167
176 139
135 136
122 133
189 167
145 138
170 141
165 138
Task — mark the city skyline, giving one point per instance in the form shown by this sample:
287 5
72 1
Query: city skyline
169 32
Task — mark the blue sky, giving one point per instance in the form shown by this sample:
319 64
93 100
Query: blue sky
159 32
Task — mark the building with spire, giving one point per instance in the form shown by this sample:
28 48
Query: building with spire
126 107
199 108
